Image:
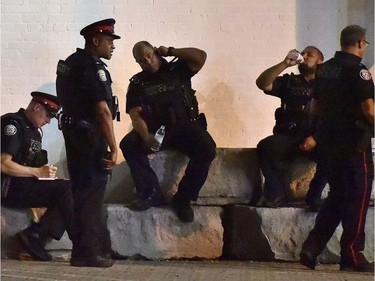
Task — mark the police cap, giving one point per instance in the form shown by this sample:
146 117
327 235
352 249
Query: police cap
50 103
106 26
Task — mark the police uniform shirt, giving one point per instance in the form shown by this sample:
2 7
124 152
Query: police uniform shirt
170 77
90 83
292 89
342 84
295 93
17 137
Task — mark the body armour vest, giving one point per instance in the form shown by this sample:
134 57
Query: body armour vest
166 98
30 153
292 116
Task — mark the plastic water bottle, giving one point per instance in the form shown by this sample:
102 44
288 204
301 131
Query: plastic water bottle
159 135
295 55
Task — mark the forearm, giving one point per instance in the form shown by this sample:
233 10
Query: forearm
141 128
266 79
368 110
13 169
106 126
194 57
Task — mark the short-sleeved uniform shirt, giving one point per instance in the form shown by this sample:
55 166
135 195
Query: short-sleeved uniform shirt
342 84
87 83
19 137
295 93
145 89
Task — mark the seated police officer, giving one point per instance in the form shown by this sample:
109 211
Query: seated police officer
24 164
292 125
162 95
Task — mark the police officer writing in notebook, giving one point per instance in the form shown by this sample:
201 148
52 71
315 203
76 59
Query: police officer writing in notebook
161 95
23 164
83 86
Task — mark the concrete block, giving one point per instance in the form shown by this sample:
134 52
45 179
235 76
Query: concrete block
12 221
158 234
234 177
266 234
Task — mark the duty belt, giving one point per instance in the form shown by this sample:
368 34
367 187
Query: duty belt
65 121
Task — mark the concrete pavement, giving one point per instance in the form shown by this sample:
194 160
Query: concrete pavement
134 270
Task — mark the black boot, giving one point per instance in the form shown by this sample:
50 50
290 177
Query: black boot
183 209
143 203
34 242
91 261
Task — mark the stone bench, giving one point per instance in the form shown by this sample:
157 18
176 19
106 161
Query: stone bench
234 179
232 232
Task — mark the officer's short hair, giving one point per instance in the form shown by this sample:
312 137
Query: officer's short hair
351 35
318 51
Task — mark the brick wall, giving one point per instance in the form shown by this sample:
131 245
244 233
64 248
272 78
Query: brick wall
242 38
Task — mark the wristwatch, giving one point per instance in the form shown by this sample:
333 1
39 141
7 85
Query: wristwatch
169 52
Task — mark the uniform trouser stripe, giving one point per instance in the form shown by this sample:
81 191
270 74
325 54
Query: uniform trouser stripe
363 210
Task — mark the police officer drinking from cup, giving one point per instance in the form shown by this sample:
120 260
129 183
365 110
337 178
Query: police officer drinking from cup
83 86
24 165
161 94
275 152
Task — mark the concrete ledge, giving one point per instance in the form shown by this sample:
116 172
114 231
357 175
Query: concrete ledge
266 234
234 177
12 221
158 234
231 232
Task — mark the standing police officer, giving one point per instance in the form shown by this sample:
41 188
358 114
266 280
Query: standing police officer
162 95
292 125
84 88
344 101
24 164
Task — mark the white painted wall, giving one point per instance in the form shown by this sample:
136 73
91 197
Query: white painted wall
242 38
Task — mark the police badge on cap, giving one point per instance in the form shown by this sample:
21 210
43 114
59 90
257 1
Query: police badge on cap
50 103
106 26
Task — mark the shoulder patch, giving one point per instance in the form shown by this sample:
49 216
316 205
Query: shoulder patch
10 130
101 75
365 74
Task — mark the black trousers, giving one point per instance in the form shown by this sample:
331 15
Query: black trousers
189 138
350 183
55 195
85 151
275 153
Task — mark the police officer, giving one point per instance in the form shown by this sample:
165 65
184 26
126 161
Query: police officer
292 124
24 165
161 94
344 97
83 86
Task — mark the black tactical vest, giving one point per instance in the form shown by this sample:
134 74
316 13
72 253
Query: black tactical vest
31 153
166 98
292 116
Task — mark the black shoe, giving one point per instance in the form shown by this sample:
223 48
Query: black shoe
33 244
114 255
275 203
93 261
363 267
307 259
142 204
183 210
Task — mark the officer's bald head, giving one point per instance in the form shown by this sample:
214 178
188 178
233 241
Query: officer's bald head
140 47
